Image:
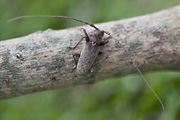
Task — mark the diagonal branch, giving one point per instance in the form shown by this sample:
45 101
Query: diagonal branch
41 61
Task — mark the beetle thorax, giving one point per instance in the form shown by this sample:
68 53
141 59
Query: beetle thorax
95 39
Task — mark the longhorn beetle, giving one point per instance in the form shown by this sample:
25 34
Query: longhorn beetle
91 49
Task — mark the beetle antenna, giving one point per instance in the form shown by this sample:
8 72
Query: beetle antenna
30 16
140 73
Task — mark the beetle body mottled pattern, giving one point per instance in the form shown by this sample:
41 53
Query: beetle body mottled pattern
89 52
87 57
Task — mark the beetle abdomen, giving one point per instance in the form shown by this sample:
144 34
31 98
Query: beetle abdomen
87 58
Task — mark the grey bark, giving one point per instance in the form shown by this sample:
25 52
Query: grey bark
41 61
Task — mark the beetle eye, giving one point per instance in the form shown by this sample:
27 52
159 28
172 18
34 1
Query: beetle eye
102 33
93 43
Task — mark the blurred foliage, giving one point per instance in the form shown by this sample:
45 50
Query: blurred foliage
126 98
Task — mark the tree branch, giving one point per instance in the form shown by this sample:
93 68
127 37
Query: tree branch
41 61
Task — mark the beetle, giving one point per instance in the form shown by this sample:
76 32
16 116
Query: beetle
86 60
90 51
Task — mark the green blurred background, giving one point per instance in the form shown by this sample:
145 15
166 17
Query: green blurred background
126 98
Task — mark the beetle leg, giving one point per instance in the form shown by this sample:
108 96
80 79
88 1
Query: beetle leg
104 55
76 58
105 32
77 43
86 35
104 42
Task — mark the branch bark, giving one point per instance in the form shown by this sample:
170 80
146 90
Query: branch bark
41 61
